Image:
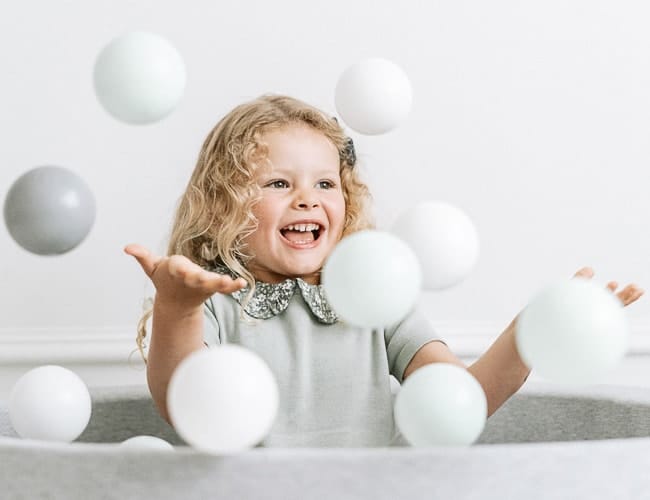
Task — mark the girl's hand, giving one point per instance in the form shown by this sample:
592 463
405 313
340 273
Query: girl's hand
631 293
180 282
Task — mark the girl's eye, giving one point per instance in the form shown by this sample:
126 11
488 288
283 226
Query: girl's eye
325 185
278 184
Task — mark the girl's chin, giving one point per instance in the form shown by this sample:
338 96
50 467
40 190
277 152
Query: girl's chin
288 269
301 268
306 269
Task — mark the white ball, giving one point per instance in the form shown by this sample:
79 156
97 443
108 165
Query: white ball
49 403
441 405
372 279
139 77
223 400
146 443
373 96
444 239
572 332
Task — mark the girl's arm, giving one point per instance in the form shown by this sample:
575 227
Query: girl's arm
175 334
177 330
500 370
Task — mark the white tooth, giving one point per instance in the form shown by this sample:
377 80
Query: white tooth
302 227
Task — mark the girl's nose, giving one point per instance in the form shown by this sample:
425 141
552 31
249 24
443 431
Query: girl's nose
305 200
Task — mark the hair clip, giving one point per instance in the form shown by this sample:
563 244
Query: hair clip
348 155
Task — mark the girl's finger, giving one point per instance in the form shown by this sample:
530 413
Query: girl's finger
145 258
612 286
182 267
229 285
629 294
200 278
213 282
585 272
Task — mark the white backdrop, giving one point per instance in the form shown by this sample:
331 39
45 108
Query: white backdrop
533 117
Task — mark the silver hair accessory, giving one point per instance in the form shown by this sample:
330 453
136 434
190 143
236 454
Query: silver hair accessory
348 155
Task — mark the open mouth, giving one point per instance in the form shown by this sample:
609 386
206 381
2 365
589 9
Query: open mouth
302 233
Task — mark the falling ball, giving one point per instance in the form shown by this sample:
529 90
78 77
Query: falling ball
444 239
572 332
49 403
373 96
372 279
223 400
146 443
139 78
49 210
441 404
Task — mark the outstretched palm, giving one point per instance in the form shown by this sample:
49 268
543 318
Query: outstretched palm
630 293
180 281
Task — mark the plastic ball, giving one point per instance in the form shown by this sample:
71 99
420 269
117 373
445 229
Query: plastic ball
139 78
49 210
444 239
49 403
223 400
373 96
441 405
572 332
372 279
146 443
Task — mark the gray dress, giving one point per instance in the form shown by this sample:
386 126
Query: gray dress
333 378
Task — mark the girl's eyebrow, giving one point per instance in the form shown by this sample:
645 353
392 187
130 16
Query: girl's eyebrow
319 173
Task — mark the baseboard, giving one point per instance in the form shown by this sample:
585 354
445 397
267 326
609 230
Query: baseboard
471 339
29 346
116 345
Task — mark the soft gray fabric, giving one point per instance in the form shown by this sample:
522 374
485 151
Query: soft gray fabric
6 430
556 418
333 380
598 468
118 414
591 470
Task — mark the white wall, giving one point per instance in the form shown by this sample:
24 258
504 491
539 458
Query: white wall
534 117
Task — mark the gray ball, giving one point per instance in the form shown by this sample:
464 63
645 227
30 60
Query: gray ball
49 210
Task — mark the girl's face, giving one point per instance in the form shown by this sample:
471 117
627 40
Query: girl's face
301 212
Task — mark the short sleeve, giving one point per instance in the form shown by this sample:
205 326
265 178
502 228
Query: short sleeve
406 338
210 324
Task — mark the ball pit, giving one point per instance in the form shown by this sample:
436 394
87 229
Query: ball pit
547 442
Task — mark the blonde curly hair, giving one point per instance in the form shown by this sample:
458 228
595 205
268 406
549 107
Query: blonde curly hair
215 215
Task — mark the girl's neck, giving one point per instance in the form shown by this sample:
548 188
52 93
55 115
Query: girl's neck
268 276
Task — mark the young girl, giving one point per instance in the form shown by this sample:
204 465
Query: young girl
275 189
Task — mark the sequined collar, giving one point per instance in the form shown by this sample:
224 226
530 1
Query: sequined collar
270 299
